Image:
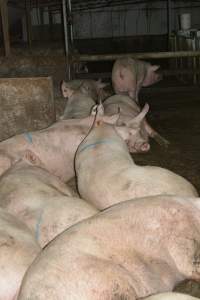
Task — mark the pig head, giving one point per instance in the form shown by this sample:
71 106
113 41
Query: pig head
129 110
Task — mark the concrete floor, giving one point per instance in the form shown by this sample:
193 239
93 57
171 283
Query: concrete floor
176 115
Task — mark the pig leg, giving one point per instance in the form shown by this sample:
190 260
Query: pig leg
134 94
137 95
155 135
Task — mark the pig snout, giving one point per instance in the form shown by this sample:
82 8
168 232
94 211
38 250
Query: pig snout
138 147
145 147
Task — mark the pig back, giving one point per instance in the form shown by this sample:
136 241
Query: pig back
143 247
18 248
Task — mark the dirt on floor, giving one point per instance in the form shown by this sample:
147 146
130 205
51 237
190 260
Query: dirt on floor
176 116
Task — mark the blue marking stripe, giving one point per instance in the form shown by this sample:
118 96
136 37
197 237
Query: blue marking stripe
28 137
97 143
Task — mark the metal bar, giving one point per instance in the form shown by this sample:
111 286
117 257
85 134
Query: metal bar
5 26
195 59
164 72
66 37
145 55
169 21
28 22
71 21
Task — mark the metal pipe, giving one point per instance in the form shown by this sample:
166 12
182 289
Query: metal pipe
66 37
145 55
5 26
164 72
71 21
169 20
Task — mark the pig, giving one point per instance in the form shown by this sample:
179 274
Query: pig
40 200
129 75
92 88
170 296
133 249
79 103
18 248
129 109
55 146
106 173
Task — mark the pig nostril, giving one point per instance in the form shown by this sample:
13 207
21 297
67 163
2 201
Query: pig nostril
145 147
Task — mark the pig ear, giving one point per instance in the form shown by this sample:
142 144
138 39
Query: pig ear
155 67
66 90
32 158
111 119
138 119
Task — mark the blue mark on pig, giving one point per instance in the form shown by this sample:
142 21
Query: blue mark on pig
28 137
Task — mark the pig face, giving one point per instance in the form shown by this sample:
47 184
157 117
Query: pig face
131 132
135 141
137 138
152 75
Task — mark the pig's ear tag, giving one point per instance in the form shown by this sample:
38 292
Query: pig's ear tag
97 110
94 110
100 110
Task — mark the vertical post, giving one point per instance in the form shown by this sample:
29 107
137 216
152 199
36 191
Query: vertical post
66 37
5 26
50 21
71 21
28 22
195 47
169 20
41 15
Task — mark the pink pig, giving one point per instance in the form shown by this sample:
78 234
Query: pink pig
129 75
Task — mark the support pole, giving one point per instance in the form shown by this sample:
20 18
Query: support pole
50 20
5 26
169 21
66 38
70 22
28 23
